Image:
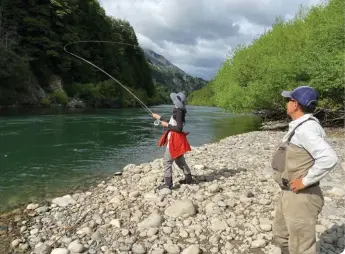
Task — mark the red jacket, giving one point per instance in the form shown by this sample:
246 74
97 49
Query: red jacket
178 143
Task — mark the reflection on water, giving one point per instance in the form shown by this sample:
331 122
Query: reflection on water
45 153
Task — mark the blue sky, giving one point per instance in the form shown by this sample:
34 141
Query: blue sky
198 35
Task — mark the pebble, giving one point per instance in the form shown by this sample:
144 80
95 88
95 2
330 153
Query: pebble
152 232
15 243
158 251
116 223
153 220
34 231
258 243
64 201
336 191
138 249
213 188
167 230
125 232
96 236
32 206
60 251
181 208
76 247
229 210
193 249
24 246
172 248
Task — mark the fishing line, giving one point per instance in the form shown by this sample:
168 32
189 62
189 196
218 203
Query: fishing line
156 122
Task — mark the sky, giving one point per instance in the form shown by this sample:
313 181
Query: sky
198 35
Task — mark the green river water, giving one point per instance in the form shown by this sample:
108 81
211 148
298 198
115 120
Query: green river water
45 153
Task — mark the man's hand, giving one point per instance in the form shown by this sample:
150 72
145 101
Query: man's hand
156 116
164 124
297 185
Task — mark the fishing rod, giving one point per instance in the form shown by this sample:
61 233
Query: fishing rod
156 122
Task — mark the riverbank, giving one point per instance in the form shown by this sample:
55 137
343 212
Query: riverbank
228 210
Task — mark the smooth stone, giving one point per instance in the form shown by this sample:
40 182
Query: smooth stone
96 236
64 201
76 246
32 206
266 227
260 243
42 248
60 251
338 192
125 232
213 188
138 249
116 223
181 208
172 248
193 249
152 231
158 251
167 230
153 221
15 243
34 231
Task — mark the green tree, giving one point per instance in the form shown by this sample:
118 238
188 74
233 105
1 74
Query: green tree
308 49
33 34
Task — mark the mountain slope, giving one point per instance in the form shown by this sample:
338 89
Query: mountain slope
167 75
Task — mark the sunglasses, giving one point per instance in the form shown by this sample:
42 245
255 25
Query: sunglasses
289 99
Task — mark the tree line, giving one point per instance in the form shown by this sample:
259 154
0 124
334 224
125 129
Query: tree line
307 50
32 37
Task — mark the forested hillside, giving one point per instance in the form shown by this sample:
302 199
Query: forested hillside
306 50
35 70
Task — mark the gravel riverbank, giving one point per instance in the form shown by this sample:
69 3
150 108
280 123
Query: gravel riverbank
229 209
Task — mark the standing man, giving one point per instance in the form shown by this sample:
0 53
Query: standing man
301 161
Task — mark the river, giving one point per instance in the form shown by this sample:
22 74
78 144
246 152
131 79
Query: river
44 154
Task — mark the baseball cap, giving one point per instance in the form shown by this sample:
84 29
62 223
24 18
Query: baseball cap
304 95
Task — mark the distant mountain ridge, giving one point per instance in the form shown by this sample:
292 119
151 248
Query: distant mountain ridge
169 76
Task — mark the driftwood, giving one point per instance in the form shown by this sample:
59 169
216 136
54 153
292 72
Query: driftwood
331 118
327 117
277 119
275 125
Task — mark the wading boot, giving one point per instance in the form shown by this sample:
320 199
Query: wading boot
187 179
168 183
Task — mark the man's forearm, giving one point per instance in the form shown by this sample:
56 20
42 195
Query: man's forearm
320 169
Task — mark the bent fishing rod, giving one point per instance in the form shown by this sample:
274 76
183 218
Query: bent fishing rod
156 122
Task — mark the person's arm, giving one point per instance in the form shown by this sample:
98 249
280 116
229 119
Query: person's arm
158 117
179 126
323 154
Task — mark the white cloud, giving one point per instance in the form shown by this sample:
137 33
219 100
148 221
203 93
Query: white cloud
197 35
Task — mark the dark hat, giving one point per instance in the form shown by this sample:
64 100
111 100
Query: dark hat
304 95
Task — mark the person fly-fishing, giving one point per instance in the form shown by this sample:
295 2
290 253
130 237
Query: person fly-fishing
175 140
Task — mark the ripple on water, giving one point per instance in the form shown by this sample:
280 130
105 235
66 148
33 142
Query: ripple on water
10 133
80 150
90 142
25 121
118 133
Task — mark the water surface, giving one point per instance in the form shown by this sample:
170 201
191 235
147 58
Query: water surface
43 154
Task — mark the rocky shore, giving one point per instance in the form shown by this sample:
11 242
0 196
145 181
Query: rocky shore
229 208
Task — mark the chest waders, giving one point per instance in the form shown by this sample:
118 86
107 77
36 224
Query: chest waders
296 213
